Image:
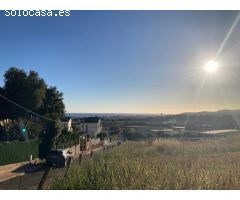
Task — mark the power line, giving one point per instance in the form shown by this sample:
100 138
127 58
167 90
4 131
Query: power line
26 109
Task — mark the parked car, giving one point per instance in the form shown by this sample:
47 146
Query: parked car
58 158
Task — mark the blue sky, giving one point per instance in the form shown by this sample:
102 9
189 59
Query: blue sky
128 61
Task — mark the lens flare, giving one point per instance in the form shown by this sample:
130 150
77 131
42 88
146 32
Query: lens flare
211 66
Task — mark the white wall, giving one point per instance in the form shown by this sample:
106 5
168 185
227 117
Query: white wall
90 128
68 125
93 128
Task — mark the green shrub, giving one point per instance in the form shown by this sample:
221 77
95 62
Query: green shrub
67 140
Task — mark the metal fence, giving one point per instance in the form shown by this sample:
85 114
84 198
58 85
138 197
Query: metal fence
19 151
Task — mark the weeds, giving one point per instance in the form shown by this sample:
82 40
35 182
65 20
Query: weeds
160 164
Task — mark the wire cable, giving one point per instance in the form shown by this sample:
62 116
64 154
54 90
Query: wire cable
26 109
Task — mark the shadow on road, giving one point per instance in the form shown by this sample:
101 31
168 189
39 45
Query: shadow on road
30 168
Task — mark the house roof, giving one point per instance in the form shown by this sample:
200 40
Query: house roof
91 119
66 118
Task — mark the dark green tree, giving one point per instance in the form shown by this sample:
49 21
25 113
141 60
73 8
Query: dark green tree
36 91
14 89
3 109
53 104
31 92
49 137
54 108
9 131
27 90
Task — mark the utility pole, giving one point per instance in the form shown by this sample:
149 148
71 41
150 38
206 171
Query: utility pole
56 142
85 142
80 137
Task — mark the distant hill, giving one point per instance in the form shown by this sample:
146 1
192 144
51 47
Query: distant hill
210 120
204 120
207 113
109 115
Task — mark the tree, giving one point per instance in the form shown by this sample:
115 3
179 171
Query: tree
9 131
54 108
27 90
34 128
14 89
3 109
35 91
30 91
53 103
49 138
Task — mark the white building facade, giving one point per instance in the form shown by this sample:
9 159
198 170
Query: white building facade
92 126
68 124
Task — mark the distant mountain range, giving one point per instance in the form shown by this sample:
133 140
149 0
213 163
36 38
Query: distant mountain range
202 113
107 115
216 119
207 113
210 120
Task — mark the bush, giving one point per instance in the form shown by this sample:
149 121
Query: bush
9 131
67 140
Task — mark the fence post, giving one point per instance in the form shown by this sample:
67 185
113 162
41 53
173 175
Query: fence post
44 178
68 166
56 142
30 159
91 154
20 184
80 159
75 144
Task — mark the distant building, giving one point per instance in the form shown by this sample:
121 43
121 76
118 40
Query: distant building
89 125
4 122
179 128
68 124
92 126
170 121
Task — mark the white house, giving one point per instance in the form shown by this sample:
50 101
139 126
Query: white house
4 122
92 126
68 124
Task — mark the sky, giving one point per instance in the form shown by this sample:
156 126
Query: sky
129 61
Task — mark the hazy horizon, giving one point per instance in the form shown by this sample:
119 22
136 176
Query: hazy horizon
122 113
130 61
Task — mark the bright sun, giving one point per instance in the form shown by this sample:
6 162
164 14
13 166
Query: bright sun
211 66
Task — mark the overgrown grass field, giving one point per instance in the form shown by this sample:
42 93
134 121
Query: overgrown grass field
160 164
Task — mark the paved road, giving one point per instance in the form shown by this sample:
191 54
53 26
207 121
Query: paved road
32 177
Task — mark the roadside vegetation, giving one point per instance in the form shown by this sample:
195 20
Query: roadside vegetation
30 111
160 164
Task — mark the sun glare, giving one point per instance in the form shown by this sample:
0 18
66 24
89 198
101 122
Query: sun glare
211 66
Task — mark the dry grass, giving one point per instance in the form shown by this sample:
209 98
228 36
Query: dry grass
160 164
